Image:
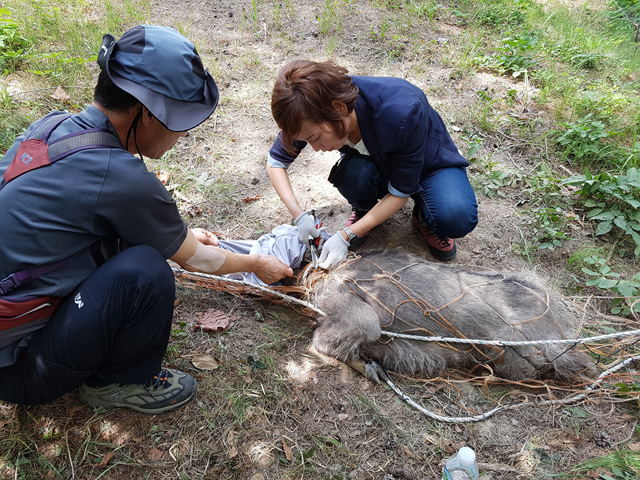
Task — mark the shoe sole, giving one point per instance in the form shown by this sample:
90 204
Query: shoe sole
163 409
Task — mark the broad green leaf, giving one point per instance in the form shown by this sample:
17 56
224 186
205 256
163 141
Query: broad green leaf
606 284
604 227
621 222
590 272
604 216
626 290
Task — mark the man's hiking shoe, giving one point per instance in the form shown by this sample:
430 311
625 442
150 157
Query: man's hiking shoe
166 391
442 248
362 239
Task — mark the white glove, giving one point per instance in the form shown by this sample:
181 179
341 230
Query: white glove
306 227
334 251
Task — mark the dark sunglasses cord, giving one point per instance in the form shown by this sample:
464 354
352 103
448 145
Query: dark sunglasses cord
134 128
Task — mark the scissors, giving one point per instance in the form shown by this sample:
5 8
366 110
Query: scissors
313 248
314 243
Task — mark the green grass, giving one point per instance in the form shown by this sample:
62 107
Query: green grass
621 465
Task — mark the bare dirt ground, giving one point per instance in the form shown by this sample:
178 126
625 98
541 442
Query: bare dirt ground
270 409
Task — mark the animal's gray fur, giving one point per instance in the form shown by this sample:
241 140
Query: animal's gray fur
357 298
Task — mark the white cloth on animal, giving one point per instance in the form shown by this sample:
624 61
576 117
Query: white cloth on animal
283 243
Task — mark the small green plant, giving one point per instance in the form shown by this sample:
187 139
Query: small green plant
501 13
379 34
12 44
254 12
485 177
573 52
492 181
424 9
582 140
333 12
612 201
550 228
514 54
602 103
605 278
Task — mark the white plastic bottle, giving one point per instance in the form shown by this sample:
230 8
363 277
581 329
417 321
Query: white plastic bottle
461 466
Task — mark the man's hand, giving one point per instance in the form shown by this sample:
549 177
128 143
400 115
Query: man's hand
306 227
270 269
334 251
205 237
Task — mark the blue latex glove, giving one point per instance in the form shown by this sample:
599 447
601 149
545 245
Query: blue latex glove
334 251
306 227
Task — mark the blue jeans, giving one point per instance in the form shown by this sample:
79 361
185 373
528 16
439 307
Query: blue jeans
114 328
445 196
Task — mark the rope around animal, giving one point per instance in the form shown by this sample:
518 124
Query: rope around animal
501 408
507 343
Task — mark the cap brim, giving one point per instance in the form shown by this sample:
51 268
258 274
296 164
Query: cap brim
176 115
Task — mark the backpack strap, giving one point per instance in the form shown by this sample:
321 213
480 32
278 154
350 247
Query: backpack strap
34 152
25 276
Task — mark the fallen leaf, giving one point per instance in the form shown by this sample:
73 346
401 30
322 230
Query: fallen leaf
204 362
155 454
214 321
106 458
232 442
194 211
61 94
287 450
232 452
251 199
634 447
164 177
73 410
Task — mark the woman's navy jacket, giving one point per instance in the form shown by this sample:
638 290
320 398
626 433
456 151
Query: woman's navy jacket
405 136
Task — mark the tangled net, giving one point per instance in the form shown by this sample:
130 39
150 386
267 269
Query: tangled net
611 341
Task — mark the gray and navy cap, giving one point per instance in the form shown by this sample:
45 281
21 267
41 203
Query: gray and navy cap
162 69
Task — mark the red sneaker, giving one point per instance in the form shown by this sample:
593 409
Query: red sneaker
362 239
442 248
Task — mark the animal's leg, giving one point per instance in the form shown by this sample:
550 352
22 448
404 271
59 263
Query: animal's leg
347 326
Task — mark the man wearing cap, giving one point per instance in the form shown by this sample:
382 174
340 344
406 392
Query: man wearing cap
86 296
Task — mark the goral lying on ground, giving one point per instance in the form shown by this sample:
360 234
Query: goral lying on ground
398 292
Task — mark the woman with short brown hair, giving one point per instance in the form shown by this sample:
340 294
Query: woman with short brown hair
393 146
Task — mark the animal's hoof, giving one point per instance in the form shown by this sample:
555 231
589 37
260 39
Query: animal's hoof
374 372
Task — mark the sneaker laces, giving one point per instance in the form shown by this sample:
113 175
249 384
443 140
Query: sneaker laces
443 242
160 380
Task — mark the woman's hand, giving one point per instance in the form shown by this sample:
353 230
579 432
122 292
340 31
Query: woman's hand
334 251
306 228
